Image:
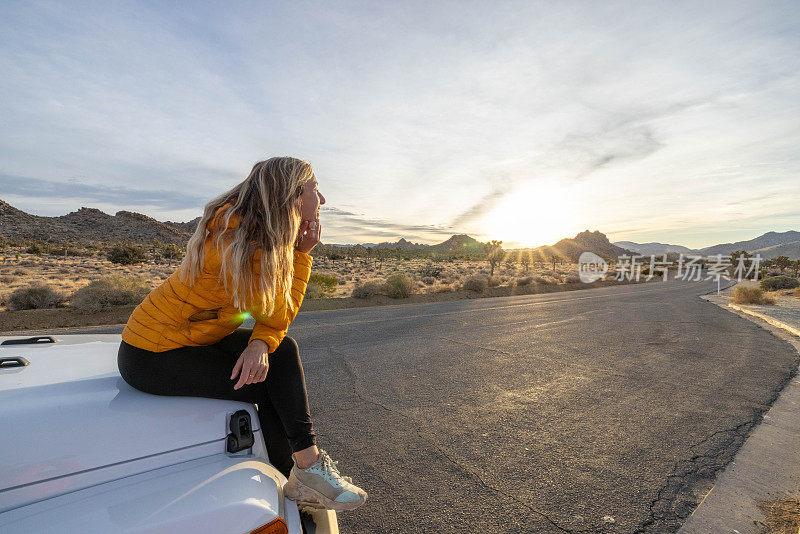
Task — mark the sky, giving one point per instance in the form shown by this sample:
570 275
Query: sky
527 122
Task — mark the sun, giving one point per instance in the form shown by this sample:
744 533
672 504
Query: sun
533 216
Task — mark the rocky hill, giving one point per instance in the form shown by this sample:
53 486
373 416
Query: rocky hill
571 248
86 225
188 227
459 243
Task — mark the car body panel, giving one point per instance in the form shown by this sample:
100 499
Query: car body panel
69 411
213 494
82 446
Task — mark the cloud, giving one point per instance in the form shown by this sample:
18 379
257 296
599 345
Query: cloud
577 156
343 224
89 193
479 209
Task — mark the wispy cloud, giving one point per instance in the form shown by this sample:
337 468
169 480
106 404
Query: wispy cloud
342 227
88 194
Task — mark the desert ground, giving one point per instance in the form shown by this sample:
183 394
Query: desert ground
69 273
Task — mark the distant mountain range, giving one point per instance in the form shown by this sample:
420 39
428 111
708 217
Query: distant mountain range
769 245
90 224
651 248
461 243
763 244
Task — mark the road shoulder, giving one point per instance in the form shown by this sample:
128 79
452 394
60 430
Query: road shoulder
765 474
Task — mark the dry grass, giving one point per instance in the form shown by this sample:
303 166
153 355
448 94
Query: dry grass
109 291
751 295
782 516
35 296
67 274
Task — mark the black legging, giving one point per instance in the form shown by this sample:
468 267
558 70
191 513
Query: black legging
205 371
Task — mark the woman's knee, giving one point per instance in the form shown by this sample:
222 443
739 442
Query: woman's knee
290 340
287 355
288 346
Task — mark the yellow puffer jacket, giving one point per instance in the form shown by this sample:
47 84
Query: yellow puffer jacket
178 315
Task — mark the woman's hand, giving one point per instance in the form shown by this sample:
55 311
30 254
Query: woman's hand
253 364
309 235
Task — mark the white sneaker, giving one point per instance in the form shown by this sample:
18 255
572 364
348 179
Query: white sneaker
322 486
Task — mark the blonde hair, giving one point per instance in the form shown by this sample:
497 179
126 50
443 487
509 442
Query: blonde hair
267 204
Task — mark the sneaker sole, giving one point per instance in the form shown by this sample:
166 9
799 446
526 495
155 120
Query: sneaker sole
301 493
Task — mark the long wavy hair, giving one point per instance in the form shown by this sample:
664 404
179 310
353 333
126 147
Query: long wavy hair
267 204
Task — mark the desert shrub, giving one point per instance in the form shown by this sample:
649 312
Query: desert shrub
326 283
7 279
315 291
528 280
493 281
399 286
111 290
428 280
476 283
171 251
36 248
35 296
446 288
774 283
70 250
431 270
368 289
751 295
126 254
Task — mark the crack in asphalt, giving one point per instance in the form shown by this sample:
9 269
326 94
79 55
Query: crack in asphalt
677 498
431 439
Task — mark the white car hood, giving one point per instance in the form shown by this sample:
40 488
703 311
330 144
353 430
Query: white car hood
69 411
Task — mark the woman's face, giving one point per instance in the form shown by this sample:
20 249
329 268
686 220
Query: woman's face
310 201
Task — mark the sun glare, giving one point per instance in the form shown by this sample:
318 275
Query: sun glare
533 216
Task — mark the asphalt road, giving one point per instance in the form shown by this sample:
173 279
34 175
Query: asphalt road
604 410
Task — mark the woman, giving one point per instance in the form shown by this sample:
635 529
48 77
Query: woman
184 338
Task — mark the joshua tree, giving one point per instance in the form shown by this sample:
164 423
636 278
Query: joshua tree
782 262
171 251
494 253
382 254
525 260
796 266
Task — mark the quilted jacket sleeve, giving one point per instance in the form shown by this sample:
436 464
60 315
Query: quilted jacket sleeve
272 328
